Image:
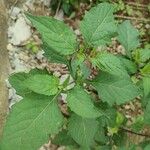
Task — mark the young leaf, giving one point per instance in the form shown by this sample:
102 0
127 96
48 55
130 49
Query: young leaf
80 102
55 34
146 70
42 84
142 55
98 25
128 36
115 89
109 63
82 130
31 122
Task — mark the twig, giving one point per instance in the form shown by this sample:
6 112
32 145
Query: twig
132 18
58 7
132 132
136 4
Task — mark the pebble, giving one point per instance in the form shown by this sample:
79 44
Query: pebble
64 97
77 32
19 32
40 55
15 12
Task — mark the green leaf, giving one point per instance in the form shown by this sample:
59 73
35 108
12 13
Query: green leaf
104 147
98 25
82 130
130 66
138 124
146 113
76 63
63 138
142 55
53 56
120 139
147 147
100 136
146 86
115 89
146 70
31 122
128 36
42 84
110 63
16 80
85 70
55 34
144 144
109 117
80 102
119 119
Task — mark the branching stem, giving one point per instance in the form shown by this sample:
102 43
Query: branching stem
132 132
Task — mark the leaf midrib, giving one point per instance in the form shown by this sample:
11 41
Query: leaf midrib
39 114
100 24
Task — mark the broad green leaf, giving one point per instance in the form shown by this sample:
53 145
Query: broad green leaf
110 63
31 122
130 66
80 102
16 80
55 34
54 56
63 138
98 25
128 36
82 130
115 89
42 84
146 113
